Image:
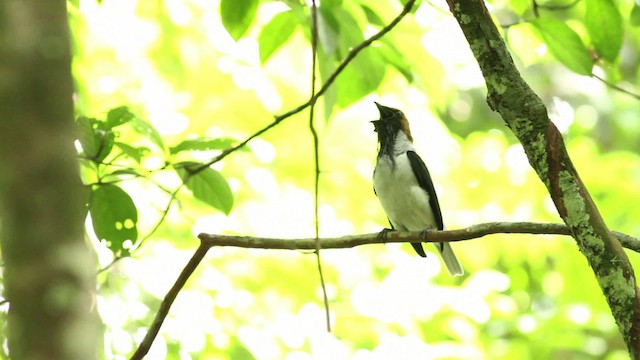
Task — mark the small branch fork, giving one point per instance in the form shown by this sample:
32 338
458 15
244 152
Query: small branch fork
208 241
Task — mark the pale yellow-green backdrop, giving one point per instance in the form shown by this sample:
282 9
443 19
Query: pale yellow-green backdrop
522 297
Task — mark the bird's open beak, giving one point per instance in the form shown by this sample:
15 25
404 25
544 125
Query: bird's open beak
385 112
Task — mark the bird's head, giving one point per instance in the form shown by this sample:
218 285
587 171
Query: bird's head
391 121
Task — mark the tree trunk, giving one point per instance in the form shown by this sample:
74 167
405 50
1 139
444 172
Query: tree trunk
526 115
48 266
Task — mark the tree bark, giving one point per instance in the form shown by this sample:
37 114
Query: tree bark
525 114
48 266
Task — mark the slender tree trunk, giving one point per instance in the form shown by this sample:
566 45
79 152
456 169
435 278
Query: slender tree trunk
48 266
525 114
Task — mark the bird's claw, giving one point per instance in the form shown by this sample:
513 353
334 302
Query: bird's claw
424 233
382 235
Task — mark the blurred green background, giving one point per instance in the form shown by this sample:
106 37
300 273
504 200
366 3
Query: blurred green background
175 65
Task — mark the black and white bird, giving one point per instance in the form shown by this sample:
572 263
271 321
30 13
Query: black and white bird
403 184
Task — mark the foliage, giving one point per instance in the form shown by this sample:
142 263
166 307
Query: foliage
198 76
113 212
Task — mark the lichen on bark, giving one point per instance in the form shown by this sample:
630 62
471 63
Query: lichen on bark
525 114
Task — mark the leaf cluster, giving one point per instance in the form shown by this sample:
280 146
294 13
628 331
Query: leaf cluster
109 163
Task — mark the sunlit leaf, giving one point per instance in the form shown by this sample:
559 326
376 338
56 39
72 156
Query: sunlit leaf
136 153
372 16
519 6
208 186
118 116
393 57
604 24
126 171
634 17
203 145
114 217
276 33
331 3
365 72
415 6
237 16
326 67
328 31
564 44
147 130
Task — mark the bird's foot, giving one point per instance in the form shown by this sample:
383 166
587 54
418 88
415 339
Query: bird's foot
424 234
382 235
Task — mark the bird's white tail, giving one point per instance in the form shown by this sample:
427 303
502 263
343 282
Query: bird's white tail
450 260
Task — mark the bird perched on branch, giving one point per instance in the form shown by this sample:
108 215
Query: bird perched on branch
403 184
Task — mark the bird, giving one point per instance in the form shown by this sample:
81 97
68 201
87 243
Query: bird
402 183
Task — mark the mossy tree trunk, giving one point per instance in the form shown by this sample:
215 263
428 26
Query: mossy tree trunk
525 114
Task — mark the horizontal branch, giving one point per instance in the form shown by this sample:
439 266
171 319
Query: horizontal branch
471 232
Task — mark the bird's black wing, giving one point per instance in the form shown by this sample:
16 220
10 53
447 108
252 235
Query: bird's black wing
424 180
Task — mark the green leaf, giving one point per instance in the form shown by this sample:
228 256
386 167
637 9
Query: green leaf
107 139
520 7
604 24
208 186
136 153
564 44
87 136
365 72
372 16
634 17
331 3
415 6
203 145
326 67
328 31
118 116
147 130
96 142
276 33
237 16
114 217
392 56
126 171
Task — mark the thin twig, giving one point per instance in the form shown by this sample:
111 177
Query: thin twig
316 159
471 232
163 311
330 80
165 212
616 87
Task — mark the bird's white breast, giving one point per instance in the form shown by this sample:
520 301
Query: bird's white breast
403 200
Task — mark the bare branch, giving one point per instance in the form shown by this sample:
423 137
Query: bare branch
616 87
471 232
145 345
